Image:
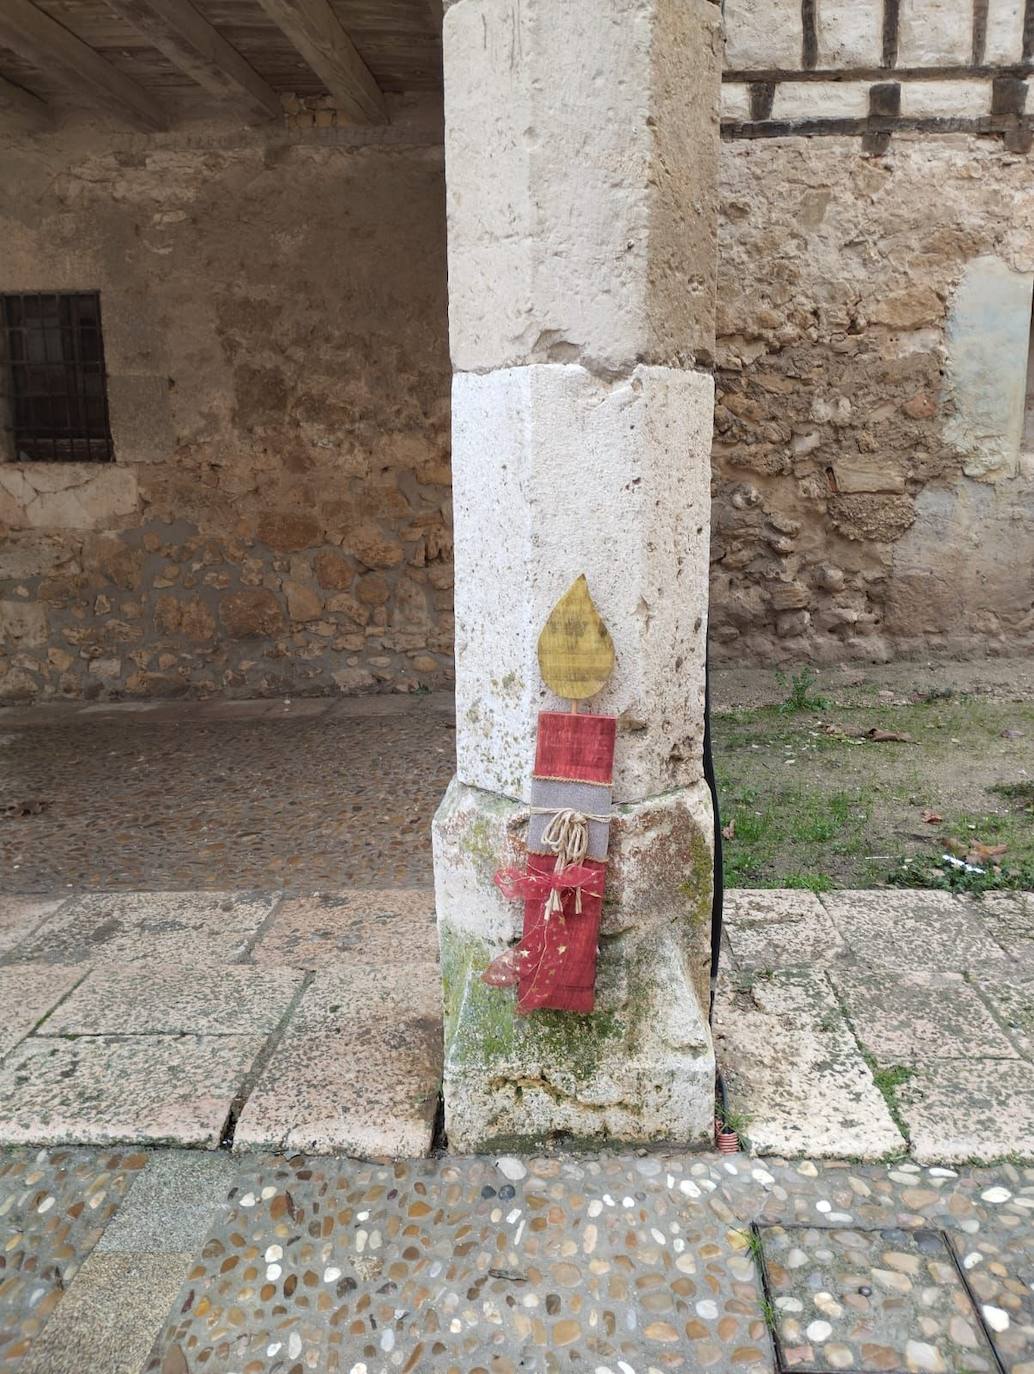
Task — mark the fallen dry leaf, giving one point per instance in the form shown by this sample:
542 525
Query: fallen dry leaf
729 831
932 817
888 736
983 853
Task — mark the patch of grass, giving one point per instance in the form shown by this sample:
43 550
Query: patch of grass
888 1081
930 872
808 882
768 1314
784 839
798 690
1020 794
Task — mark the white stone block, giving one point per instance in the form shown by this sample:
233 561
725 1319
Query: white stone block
821 100
557 473
935 33
763 35
641 1066
946 99
581 153
69 496
850 33
1004 43
735 100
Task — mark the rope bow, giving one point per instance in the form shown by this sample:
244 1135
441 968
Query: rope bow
566 836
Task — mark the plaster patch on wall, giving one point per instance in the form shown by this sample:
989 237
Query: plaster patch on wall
988 334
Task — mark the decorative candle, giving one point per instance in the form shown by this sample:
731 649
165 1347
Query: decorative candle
554 965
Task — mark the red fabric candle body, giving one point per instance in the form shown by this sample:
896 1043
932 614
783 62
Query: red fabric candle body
574 767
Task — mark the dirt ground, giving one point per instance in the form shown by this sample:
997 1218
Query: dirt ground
815 795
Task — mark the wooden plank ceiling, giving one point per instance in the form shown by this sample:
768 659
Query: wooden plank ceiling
137 59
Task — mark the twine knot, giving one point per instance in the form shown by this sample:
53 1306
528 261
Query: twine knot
566 836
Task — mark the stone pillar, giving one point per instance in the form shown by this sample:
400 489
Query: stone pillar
581 163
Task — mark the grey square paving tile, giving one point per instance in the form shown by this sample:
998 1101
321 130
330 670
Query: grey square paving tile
906 930
174 1202
27 993
19 917
107 1321
781 929
969 1109
151 999
104 1090
1012 1000
358 1070
794 1072
371 927
175 928
901 1018
871 1300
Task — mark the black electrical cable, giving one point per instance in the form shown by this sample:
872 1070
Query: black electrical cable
717 901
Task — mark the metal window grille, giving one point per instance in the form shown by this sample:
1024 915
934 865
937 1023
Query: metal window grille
57 403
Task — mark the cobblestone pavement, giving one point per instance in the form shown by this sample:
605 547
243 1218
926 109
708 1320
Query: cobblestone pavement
190 1263
314 793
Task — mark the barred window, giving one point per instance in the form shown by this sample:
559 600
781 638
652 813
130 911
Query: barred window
56 400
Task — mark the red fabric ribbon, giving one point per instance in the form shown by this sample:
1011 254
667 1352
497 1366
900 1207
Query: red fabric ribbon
518 886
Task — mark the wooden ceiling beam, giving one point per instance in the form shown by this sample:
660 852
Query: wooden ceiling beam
63 57
29 109
313 28
190 43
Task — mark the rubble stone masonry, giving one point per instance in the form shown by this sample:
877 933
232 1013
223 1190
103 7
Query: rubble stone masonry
278 517
874 445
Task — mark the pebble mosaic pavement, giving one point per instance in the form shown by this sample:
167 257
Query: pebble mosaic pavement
613 1264
325 792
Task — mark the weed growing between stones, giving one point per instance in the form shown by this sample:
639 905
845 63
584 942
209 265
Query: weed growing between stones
799 697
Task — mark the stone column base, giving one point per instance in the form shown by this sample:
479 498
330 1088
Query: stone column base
640 1068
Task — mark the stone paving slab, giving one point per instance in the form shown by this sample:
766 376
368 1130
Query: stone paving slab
176 1197
1012 1001
781 929
358 1070
27 993
170 928
158 1001
369 927
913 931
106 1323
54 1205
102 1090
1010 918
971 1110
794 1073
19 917
908 1017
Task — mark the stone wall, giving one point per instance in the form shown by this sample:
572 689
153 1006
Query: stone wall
874 478
274 307
274 312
